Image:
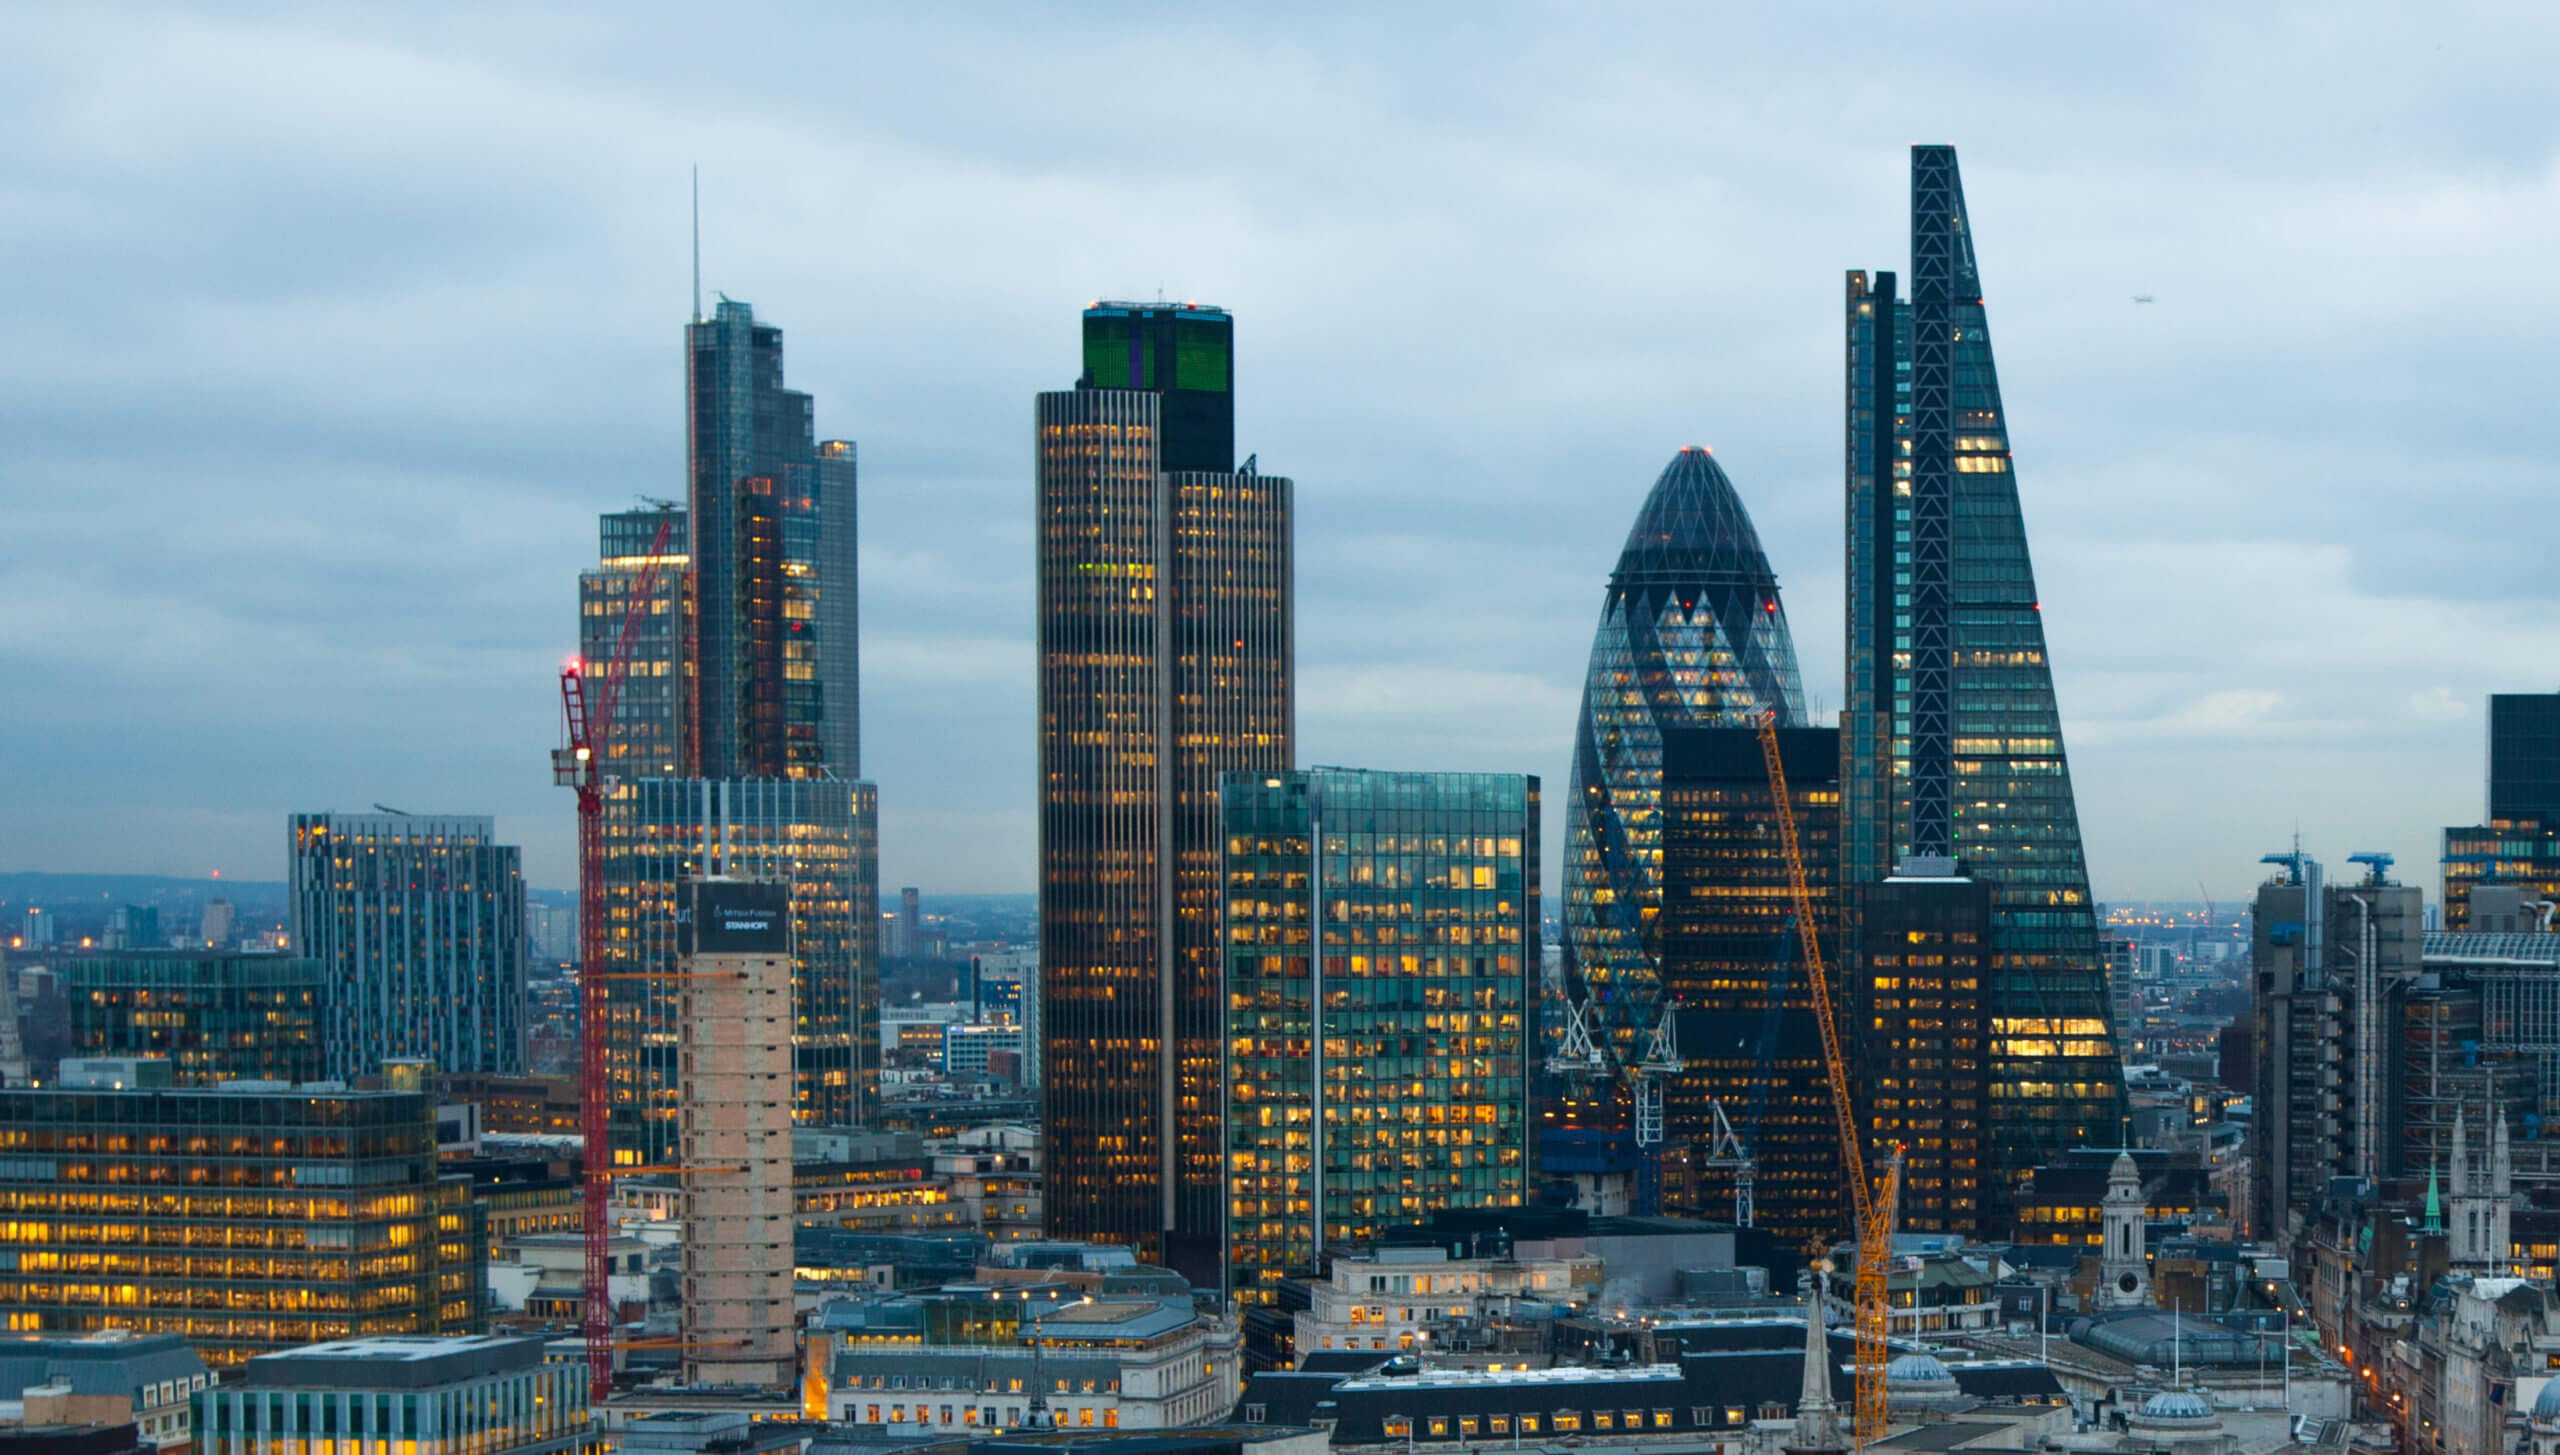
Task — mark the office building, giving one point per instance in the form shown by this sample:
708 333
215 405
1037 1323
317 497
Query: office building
2329 967
2122 956
213 931
1922 1027
2511 983
1376 1070
134 927
910 922
213 1015
2517 846
973 1358
735 1055
466 1395
1951 734
971 1051
1733 965
1691 635
241 1219
814 835
2524 755
1166 647
417 921
111 1378
649 736
773 606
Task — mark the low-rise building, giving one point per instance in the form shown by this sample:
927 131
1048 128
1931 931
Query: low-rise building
1930 1291
1730 1386
1025 1357
1384 1300
464 1395
111 1378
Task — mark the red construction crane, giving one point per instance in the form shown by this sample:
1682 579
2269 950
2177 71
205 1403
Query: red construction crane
1872 1208
587 721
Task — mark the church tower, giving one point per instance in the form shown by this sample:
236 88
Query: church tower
2124 1267
2482 1200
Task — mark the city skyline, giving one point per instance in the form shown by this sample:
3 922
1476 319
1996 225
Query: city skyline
2196 637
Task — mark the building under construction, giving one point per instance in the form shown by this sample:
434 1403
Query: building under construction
739 1324
1742 1016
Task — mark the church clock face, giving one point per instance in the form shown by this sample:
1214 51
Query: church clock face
2127 1283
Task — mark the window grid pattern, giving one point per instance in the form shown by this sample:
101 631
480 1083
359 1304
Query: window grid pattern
1692 634
1954 732
819 836
1166 651
1380 934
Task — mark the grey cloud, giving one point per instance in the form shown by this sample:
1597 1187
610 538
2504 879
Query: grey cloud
334 334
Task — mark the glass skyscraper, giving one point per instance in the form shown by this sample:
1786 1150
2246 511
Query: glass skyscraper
1691 635
418 923
655 713
737 740
776 665
1165 648
814 835
1381 979
1951 737
2519 843
1731 965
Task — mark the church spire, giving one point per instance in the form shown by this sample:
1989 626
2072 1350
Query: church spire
1817 1430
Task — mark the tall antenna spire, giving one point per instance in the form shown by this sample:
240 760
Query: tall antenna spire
697 243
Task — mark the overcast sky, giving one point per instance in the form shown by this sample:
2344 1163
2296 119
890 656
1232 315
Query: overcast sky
331 330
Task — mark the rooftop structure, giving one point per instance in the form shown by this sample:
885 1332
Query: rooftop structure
437 1396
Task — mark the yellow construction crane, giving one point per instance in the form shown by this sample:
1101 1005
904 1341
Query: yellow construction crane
1871 1208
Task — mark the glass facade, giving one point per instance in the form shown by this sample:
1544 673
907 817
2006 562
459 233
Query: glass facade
1691 635
413 1396
2523 852
775 660
2519 845
1923 1026
651 717
1952 737
418 921
242 1221
1381 934
2524 755
1183 354
1744 1019
817 836
1166 648
213 1015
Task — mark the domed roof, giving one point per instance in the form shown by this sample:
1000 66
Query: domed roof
2546 1405
2175 1404
1917 1369
1693 531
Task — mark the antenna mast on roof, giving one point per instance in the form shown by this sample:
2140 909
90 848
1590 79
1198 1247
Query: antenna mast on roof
697 243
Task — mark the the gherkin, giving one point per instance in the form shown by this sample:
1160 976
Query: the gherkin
1692 635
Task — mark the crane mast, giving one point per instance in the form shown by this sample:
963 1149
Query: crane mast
1871 1216
587 726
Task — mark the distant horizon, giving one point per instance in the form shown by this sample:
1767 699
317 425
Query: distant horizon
889 891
